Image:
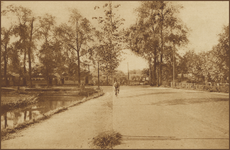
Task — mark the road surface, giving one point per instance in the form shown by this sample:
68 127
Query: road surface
147 117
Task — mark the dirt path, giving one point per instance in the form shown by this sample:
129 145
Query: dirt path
73 128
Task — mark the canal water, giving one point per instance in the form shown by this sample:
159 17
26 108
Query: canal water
45 103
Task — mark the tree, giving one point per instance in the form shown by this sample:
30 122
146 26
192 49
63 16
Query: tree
29 49
143 42
1 61
221 54
182 68
48 47
82 30
150 35
110 38
145 72
96 54
67 61
24 30
76 36
5 40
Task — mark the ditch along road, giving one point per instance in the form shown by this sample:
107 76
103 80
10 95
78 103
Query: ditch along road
147 118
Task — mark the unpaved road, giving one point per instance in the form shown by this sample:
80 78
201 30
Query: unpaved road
162 118
147 117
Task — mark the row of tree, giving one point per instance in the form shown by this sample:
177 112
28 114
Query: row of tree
33 45
158 34
210 66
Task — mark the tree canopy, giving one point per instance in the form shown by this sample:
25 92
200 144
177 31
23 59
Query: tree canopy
33 45
155 34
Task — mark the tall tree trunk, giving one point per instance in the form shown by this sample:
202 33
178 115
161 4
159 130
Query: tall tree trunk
78 55
158 72
29 53
162 49
111 38
150 72
24 78
161 71
25 112
47 77
155 66
173 64
98 75
161 68
5 65
24 62
5 118
30 114
79 72
0 74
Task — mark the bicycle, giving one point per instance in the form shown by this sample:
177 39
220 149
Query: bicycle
116 91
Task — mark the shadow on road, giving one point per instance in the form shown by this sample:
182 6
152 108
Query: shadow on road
190 101
145 94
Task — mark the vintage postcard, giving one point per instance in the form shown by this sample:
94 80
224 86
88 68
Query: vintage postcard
114 75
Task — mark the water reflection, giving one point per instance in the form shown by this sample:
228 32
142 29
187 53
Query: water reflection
45 104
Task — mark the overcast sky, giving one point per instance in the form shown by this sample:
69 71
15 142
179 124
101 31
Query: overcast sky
204 18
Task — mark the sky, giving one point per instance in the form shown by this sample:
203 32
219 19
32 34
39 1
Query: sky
205 19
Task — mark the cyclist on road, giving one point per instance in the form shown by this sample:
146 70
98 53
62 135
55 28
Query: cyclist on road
116 86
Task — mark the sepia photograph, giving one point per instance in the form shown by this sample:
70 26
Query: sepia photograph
114 75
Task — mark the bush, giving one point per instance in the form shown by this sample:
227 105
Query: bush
224 89
107 140
214 89
87 92
207 87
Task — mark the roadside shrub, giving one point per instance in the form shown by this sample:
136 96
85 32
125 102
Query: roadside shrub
200 87
214 89
87 92
224 89
211 88
107 140
206 88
